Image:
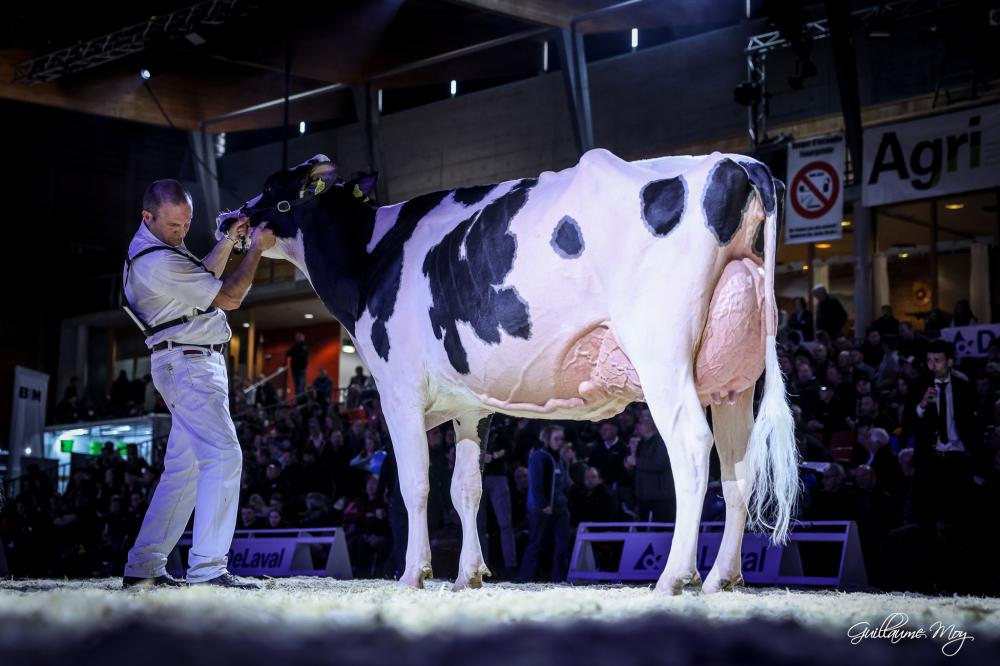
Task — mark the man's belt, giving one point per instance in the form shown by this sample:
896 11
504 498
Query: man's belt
169 344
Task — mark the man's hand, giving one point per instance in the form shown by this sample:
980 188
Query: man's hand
239 228
547 510
262 238
235 286
929 395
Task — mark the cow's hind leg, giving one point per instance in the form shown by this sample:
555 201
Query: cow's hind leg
466 493
732 425
409 440
680 418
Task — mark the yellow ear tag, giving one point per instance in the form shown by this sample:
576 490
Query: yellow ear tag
320 186
357 192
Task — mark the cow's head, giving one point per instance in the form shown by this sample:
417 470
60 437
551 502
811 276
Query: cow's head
288 194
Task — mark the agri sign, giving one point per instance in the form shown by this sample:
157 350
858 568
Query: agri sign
926 158
956 152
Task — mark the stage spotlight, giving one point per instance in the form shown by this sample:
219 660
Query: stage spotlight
302 127
145 74
348 348
308 315
454 87
635 38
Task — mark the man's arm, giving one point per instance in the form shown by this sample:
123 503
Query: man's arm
215 261
235 287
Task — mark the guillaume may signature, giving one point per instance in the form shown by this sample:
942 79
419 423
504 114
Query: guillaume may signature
894 629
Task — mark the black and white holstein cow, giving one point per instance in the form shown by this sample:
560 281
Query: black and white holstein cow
568 296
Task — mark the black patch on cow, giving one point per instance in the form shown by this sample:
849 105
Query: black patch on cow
761 178
779 200
663 204
468 288
387 266
467 196
725 199
567 240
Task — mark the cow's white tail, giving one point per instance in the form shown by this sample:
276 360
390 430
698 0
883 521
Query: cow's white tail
771 463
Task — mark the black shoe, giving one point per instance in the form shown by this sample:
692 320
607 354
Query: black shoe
166 580
229 580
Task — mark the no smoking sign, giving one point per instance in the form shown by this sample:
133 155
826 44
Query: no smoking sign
815 190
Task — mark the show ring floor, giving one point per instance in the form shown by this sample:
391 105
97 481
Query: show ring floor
326 621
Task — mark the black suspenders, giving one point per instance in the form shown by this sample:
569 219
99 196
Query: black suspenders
146 329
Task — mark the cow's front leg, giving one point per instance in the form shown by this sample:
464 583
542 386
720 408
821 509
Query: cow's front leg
732 425
682 424
466 493
409 440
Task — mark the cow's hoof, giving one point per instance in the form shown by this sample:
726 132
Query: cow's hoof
473 580
674 585
718 583
415 576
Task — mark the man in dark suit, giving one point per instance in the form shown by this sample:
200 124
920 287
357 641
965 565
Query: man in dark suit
652 475
830 314
609 454
944 428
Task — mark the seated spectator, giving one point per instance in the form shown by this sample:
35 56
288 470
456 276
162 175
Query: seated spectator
248 519
320 512
861 369
868 409
275 521
828 414
810 448
871 349
873 450
256 502
273 482
833 500
796 348
367 528
592 501
323 385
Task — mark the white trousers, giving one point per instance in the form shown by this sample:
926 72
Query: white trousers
201 472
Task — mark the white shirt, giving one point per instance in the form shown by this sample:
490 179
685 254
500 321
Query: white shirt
162 286
954 442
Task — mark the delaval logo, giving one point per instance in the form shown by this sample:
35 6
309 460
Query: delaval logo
649 559
751 560
259 559
928 158
25 393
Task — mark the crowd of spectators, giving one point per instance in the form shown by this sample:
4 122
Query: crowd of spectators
866 426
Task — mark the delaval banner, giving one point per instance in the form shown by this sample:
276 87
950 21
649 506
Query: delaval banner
644 555
971 340
261 557
954 152
27 421
815 190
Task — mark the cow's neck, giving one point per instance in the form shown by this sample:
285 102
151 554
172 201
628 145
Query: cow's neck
334 259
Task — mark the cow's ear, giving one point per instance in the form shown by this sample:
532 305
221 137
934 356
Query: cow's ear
364 185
